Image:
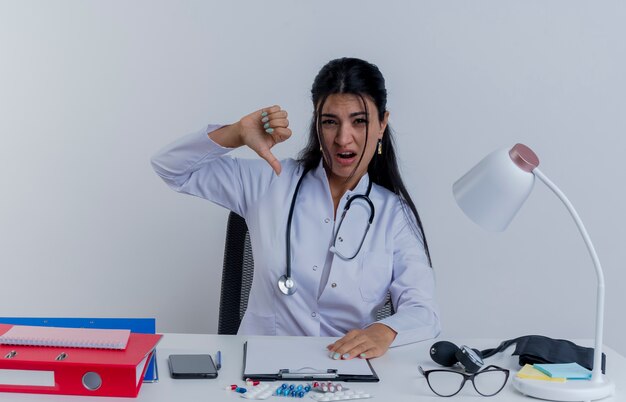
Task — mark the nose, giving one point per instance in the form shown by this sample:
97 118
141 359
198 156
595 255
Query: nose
344 135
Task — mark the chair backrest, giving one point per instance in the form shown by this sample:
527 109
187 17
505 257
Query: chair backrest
237 273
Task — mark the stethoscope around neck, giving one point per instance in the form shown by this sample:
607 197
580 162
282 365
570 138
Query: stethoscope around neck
286 284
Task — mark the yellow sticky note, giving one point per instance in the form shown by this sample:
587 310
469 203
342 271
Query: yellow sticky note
530 373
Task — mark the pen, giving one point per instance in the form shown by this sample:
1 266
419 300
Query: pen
218 358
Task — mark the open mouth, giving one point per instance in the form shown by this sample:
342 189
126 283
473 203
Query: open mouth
346 158
346 155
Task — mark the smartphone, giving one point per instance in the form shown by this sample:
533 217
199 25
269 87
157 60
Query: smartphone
192 366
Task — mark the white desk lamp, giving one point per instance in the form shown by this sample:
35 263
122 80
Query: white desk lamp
491 194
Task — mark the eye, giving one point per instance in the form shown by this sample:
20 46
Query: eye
328 122
361 121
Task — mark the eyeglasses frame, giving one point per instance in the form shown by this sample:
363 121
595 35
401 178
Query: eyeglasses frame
467 377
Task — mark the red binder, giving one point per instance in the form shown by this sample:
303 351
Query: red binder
76 371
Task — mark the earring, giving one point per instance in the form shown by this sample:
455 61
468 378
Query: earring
380 147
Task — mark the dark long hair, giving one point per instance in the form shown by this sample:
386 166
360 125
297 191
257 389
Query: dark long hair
363 79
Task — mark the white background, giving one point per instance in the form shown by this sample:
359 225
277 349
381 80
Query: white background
89 90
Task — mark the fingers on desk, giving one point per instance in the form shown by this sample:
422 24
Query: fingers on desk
355 343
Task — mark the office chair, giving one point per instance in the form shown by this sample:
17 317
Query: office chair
237 273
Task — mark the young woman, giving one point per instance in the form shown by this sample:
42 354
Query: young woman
333 231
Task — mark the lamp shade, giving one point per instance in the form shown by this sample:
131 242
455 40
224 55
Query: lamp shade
494 190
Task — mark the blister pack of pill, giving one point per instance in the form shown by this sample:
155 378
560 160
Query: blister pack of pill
340 395
261 391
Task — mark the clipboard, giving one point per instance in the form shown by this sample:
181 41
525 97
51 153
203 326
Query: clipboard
300 358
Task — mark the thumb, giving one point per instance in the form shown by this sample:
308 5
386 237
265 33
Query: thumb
271 159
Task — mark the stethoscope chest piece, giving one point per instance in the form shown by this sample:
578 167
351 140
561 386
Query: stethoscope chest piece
286 285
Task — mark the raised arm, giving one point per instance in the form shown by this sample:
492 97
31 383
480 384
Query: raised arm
197 164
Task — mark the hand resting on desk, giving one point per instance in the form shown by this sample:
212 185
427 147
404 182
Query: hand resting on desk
372 341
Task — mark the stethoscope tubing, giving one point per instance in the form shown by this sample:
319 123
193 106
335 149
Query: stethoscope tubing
286 284
289 219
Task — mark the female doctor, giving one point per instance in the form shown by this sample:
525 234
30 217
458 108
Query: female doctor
332 231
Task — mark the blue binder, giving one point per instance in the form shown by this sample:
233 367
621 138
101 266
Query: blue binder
139 325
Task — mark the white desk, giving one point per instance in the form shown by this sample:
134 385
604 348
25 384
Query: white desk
397 370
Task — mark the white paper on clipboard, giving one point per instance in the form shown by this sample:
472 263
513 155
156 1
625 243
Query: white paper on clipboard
271 354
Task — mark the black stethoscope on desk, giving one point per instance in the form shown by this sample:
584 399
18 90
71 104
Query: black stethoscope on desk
286 283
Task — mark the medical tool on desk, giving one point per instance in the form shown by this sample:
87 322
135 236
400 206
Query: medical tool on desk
531 349
286 284
448 354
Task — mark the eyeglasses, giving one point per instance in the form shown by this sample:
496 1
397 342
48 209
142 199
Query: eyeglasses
487 382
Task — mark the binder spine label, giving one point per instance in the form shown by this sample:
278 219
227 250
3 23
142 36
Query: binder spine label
36 378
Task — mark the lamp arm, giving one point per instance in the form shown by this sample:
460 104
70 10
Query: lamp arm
596 375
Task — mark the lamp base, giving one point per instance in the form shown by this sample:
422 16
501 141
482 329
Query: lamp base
571 391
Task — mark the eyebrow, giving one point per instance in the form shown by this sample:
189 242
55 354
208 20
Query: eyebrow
351 114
